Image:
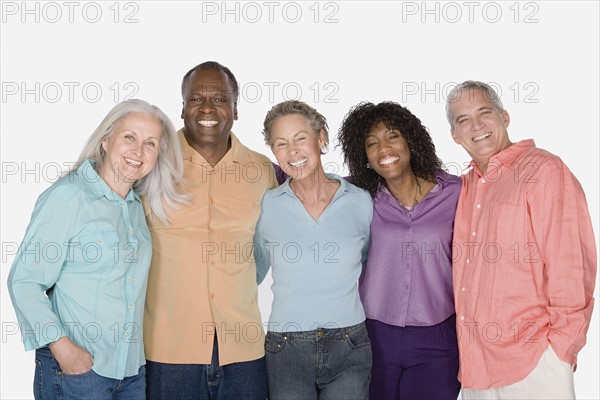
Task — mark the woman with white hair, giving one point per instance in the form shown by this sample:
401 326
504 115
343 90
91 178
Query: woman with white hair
78 282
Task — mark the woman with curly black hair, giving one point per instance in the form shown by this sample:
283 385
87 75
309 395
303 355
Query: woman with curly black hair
406 286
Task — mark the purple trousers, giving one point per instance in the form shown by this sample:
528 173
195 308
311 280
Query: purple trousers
414 362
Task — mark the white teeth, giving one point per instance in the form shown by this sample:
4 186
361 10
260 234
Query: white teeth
298 163
388 160
481 137
134 162
208 123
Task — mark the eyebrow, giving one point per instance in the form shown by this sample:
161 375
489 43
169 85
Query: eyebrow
479 109
208 93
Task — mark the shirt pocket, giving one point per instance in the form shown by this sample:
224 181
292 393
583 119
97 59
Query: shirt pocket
505 222
145 233
94 250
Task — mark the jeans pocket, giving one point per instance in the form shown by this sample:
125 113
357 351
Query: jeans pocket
357 338
83 374
45 380
274 342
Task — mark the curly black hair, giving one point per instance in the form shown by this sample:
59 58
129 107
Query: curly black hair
359 122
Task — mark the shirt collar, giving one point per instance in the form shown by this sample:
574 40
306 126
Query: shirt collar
95 185
237 153
442 179
506 156
345 186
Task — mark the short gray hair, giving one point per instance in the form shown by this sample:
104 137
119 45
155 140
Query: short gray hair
456 92
160 185
315 119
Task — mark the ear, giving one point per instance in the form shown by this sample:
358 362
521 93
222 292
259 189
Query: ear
103 144
454 136
235 113
182 108
506 118
321 138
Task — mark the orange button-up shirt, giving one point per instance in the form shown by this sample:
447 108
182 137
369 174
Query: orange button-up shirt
202 278
524 266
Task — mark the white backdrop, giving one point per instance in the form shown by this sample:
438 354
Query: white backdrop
65 64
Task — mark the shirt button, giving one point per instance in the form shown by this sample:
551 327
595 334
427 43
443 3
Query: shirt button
478 206
320 333
135 254
126 333
462 317
99 241
212 296
130 230
482 180
468 261
122 205
130 306
128 279
473 233
463 289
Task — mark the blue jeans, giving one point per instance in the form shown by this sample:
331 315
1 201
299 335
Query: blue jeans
237 381
322 364
50 382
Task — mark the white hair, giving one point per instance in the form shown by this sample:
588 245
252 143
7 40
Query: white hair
456 92
160 185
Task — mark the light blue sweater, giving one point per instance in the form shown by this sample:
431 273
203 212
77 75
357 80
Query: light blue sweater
316 264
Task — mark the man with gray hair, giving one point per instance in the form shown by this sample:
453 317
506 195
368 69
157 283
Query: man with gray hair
524 263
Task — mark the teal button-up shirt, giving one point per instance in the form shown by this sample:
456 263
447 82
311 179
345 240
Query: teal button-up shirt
81 271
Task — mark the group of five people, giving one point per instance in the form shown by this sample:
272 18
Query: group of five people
379 278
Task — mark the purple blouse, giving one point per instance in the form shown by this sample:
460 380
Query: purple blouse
408 277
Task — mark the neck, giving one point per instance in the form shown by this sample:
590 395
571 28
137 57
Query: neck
115 182
211 152
315 187
405 189
483 163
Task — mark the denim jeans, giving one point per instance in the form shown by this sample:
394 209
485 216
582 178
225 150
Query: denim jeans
237 381
322 364
50 382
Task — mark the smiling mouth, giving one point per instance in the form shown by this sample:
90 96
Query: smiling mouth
388 161
481 137
132 162
299 163
207 123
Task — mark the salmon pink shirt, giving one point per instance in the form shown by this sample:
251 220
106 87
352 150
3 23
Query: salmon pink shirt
524 266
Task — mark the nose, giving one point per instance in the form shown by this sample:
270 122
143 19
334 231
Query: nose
476 123
206 106
383 147
138 148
